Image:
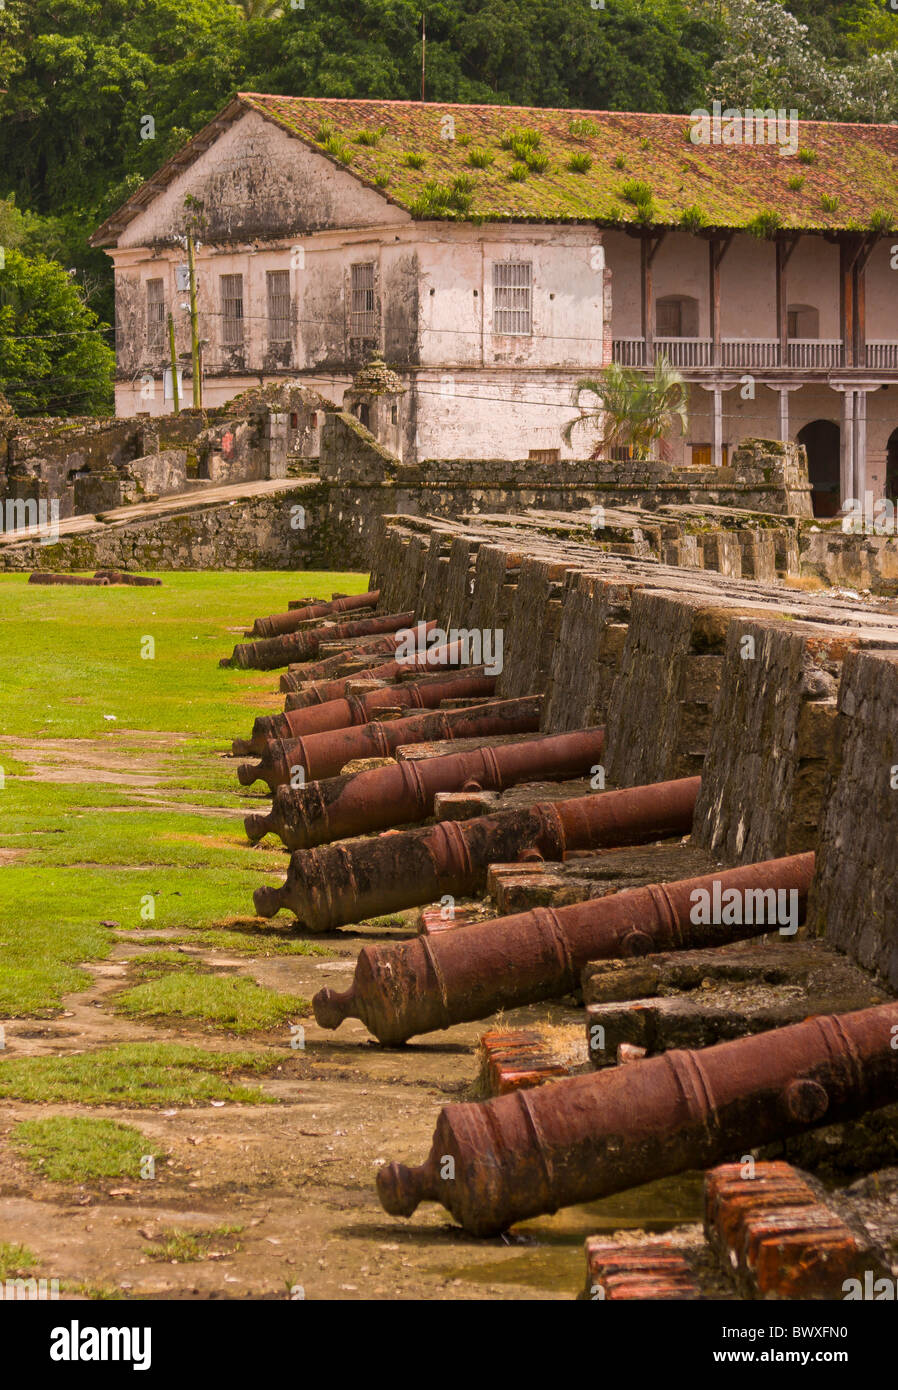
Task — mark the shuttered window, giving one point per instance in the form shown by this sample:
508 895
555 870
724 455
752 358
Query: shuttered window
362 316
232 310
513 297
155 315
278 306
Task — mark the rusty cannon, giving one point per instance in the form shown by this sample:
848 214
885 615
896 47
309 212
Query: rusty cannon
276 624
428 983
450 656
351 881
271 652
324 755
386 796
299 676
427 693
500 1161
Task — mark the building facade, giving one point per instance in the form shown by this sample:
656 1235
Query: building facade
496 257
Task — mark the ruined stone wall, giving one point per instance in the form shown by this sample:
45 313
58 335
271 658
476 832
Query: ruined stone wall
247 534
854 902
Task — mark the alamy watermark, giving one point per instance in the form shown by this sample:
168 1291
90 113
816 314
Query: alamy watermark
874 516
467 647
736 907
745 127
27 514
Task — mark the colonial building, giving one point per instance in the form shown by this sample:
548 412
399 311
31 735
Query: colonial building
497 255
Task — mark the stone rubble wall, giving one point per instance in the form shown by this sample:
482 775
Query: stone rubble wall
854 901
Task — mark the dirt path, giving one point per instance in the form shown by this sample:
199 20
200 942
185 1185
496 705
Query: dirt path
297 1176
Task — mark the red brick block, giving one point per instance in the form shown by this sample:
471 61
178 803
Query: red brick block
621 1273
515 1060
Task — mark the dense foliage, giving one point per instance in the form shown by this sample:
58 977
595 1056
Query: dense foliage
98 93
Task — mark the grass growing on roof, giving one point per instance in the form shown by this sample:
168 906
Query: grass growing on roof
137 1075
80 1148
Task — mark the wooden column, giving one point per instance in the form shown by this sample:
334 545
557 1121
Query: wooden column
717 249
784 250
859 293
649 246
648 300
846 302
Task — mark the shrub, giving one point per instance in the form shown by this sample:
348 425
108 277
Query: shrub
829 202
619 162
765 223
693 219
881 221
479 158
795 182
414 160
538 163
518 172
580 163
806 156
583 126
337 147
636 191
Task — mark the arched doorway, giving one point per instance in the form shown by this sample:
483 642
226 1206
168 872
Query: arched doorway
821 440
892 466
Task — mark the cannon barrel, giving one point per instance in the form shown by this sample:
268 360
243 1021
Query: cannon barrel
427 693
577 1140
323 755
428 983
382 797
351 881
433 659
271 652
298 676
276 624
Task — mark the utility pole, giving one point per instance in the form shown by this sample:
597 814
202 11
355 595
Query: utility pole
174 363
194 328
423 53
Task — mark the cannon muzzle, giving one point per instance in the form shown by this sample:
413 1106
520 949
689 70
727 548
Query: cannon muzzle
500 1161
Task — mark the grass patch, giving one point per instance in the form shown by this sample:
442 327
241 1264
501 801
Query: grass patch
136 1074
96 850
15 1260
81 1149
177 1246
188 991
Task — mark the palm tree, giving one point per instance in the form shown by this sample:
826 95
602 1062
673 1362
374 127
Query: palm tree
633 410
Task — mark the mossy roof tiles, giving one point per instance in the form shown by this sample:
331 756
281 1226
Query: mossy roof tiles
845 179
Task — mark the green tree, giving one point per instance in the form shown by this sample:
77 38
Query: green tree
631 409
54 359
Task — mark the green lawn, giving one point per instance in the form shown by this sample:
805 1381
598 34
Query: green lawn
101 849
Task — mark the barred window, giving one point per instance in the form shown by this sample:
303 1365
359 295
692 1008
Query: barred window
362 317
232 310
513 297
278 306
155 315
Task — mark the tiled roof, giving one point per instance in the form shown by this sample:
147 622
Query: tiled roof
628 168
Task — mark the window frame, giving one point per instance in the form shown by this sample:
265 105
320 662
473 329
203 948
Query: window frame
513 299
275 338
155 325
230 321
362 300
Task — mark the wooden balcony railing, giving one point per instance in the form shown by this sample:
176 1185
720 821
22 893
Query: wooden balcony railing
747 353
